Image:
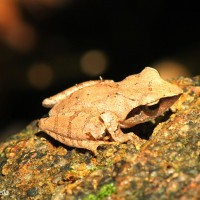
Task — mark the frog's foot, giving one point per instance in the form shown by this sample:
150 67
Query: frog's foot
91 145
111 122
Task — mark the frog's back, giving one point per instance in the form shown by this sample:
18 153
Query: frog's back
86 98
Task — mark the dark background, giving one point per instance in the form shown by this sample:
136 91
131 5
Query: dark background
130 35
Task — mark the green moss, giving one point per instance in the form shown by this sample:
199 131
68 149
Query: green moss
91 197
104 191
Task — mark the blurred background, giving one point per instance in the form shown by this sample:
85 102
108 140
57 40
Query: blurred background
49 45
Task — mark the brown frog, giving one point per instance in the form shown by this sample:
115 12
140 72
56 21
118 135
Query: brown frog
94 112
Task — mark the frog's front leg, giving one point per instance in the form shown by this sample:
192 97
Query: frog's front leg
51 101
112 125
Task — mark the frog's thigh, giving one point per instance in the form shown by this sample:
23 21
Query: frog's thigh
111 122
85 144
94 128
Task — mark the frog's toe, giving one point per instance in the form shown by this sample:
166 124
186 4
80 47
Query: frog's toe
93 145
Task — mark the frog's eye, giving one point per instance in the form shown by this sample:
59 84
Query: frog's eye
151 110
152 107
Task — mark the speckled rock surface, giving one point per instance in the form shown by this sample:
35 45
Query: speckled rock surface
164 166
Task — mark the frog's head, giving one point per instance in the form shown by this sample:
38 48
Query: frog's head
150 94
148 88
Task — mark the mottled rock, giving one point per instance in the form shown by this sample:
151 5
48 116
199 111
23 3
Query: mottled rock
164 166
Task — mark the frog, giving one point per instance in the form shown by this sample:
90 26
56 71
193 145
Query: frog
96 112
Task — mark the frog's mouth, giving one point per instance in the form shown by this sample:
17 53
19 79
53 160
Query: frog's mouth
146 113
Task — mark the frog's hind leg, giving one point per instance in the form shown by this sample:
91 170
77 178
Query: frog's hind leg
112 125
85 144
51 101
79 130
